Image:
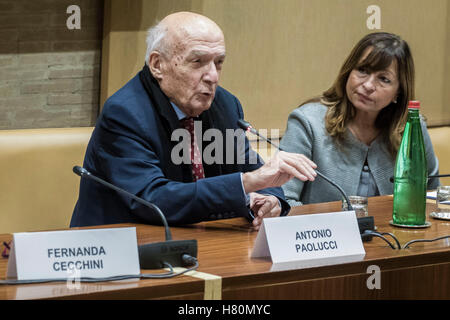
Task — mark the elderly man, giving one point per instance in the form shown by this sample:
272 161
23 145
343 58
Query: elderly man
132 145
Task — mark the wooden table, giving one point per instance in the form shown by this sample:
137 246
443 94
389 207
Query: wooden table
224 246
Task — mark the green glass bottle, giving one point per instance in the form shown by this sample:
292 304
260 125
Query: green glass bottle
410 175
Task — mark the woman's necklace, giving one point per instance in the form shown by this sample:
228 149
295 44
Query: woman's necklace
366 136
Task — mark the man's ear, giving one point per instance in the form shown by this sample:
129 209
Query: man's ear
155 64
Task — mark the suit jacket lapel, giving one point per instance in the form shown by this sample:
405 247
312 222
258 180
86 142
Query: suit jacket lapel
169 122
159 100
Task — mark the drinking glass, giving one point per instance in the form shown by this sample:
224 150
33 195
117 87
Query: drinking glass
443 199
359 204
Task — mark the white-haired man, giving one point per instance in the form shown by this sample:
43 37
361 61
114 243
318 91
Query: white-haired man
132 143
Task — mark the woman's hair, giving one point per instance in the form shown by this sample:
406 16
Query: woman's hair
385 48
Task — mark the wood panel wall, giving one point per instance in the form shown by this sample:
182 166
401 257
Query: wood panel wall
281 52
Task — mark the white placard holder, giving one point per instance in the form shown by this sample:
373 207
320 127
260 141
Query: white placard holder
92 253
305 241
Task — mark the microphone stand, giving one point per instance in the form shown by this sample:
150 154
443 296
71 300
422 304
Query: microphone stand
84 173
246 126
154 255
391 179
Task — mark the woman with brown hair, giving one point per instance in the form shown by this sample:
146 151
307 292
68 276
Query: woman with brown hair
354 129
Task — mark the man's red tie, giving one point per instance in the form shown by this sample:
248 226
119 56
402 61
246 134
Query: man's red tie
196 159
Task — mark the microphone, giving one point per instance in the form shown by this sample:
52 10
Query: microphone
364 223
82 172
153 255
246 126
391 179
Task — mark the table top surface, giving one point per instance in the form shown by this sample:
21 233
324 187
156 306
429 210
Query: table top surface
224 248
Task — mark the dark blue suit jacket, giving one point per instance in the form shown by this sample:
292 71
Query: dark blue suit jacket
131 148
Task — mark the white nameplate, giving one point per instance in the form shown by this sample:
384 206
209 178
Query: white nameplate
93 253
304 241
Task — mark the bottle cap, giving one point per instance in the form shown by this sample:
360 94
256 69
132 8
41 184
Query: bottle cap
414 104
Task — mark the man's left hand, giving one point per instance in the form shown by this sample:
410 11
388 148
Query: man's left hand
263 206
